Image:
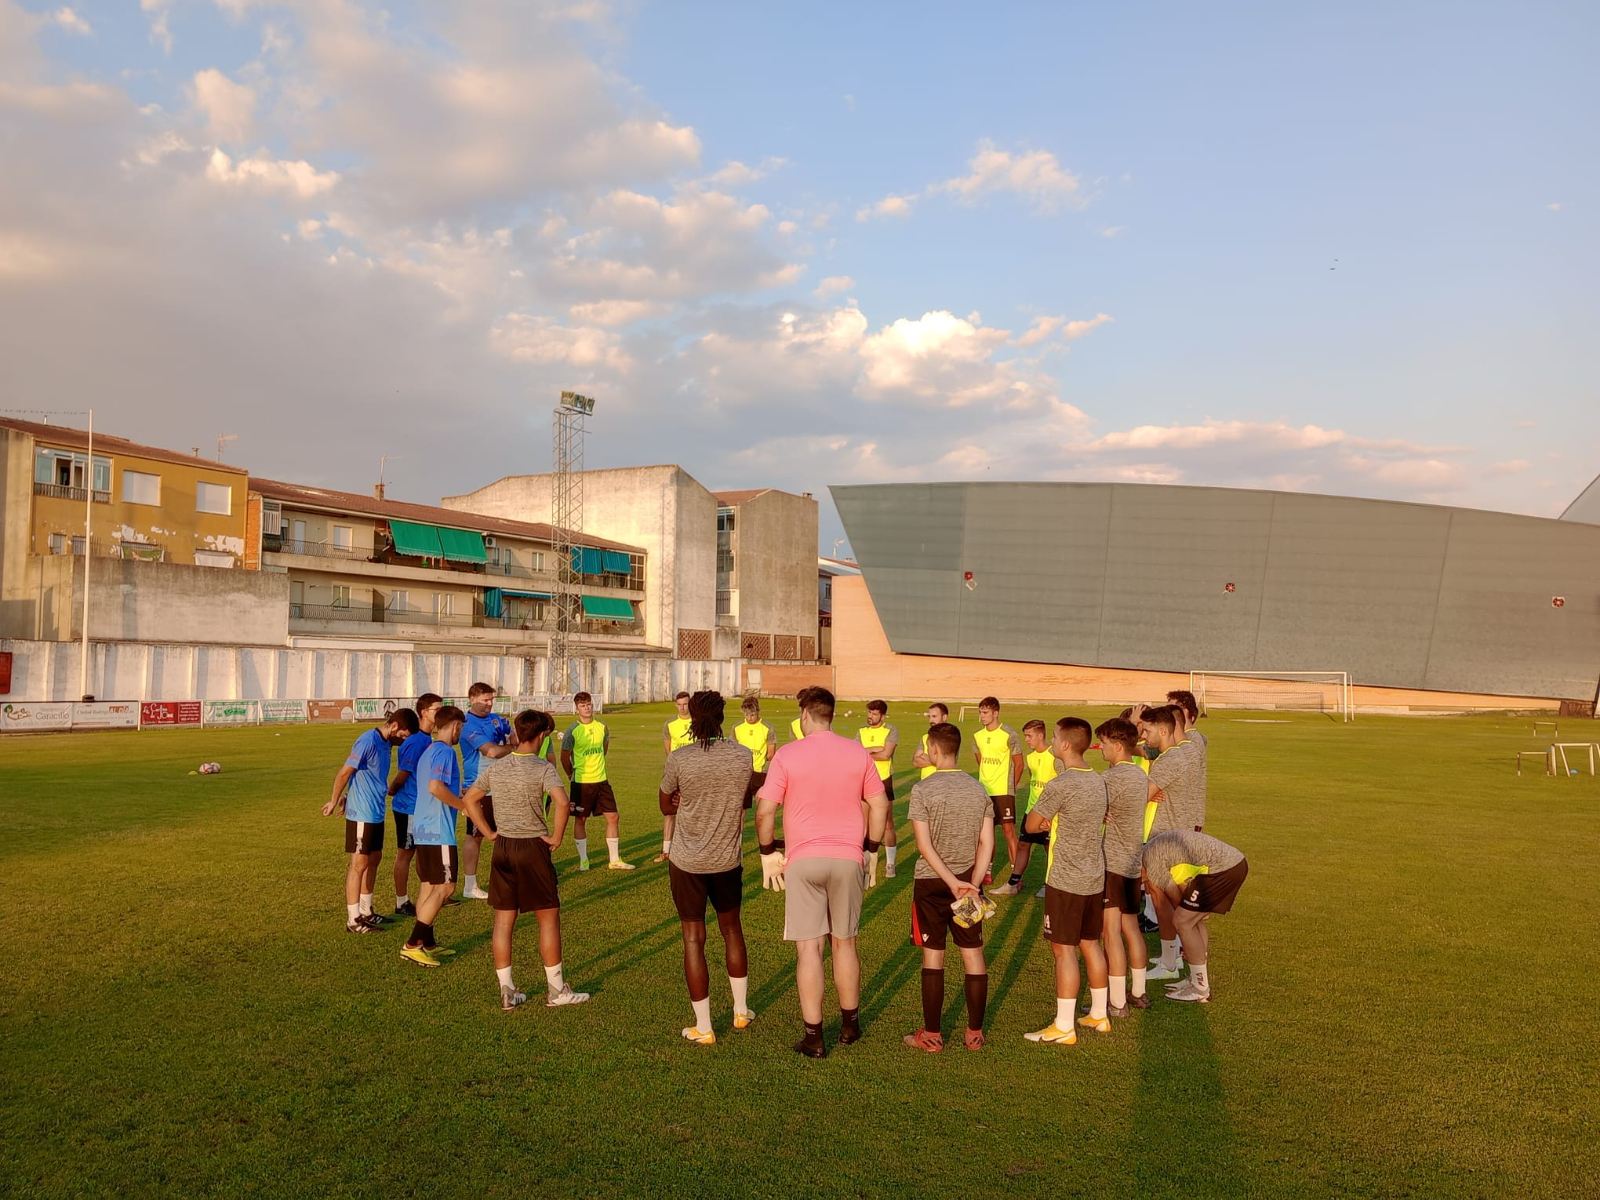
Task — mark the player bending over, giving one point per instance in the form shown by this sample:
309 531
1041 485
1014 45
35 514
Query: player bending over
522 877
705 784
361 790
583 757
433 832
953 821
880 740
1073 807
1127 791
1199 875
674 735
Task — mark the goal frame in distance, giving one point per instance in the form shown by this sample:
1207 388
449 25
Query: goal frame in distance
1339 679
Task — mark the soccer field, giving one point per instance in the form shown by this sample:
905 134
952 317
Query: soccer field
1403 1001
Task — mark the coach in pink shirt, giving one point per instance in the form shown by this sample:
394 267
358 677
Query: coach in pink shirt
820 782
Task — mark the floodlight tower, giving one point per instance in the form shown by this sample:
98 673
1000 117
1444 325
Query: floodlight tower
568 426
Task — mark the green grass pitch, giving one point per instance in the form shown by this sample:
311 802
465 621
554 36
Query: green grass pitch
1404 998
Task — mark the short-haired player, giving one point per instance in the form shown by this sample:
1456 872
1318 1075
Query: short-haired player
952 819
1043 766
881 740
584 748
361 791
998 753
756 736
433 833
674 735
403 799
1200 875
1127 790
485 735
1173 804
937 714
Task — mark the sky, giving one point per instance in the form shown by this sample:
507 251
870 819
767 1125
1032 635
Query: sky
1336 248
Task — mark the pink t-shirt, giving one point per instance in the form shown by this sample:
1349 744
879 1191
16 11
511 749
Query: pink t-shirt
820 781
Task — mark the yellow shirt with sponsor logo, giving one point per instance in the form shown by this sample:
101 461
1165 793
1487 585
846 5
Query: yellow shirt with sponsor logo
875 737
995 749
930 768
1043 766
755 737
677 731
587 744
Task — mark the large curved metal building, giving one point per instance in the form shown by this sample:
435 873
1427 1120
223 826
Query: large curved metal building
1164 578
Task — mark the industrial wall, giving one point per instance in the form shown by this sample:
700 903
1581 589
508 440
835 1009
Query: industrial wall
777 572
133 671
1180 578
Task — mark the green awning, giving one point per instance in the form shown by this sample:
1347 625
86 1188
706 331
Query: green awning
588 561
420 540
617 563
462 545
525 595
605 608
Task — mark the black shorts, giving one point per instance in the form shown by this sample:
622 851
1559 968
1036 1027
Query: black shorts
1070 918
757 778
931 920
888 789
363 837
488 815
1005 809
690 891
402 831
437 864
1042 838
521 876
1123 894
1214 893
591 798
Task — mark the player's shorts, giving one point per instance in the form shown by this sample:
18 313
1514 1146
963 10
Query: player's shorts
888 789
1124 894
1005 809
591 798
1042 838
488 815
1070 918
402 831
437 864
363 837
691 890
930 916
822 896
757 778
521 876
1214 893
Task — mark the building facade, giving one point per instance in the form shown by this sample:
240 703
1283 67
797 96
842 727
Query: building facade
765 582
828 570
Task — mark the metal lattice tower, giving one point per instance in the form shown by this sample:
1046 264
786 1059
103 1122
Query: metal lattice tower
568 426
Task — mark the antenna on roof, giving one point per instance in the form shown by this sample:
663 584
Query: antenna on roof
222 442
383 462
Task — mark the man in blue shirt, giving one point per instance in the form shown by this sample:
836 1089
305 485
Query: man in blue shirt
361 790
486 734
403 799
433 832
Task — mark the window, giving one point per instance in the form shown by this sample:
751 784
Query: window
208 497
139 488
64 469
444 604
77 544
827 589
400 601
299 540
58 543
536 561
343 537
212 558
341 595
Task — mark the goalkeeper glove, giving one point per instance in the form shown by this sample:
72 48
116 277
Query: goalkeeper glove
772 865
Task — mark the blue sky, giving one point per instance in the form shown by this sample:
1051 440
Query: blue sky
1347 249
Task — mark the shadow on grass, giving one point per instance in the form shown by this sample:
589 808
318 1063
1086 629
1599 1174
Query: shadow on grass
1181 1140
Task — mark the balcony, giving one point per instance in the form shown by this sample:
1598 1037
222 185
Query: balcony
58 491
283 545
384 560
364 614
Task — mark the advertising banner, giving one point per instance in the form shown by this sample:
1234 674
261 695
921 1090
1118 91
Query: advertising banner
283 712
378 710
20 716
551 702
105 715
169 712
231 712
320 712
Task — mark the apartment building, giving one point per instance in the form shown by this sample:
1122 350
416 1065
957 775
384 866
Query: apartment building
766 582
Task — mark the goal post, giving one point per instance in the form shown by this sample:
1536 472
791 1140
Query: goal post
1292 691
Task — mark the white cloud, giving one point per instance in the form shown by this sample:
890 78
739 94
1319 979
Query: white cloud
1111 231
616 313
1035 175
297 178
229 107
833 284
65 18
736 174
1043 328
1554 206
157 15
889 206
540 340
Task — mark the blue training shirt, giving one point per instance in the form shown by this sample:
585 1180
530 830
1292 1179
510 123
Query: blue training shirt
493 730
434 822
405 800
368 794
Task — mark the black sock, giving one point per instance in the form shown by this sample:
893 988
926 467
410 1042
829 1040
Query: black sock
977 1000
1014 880
932 997
814 1033
849 1016
421 935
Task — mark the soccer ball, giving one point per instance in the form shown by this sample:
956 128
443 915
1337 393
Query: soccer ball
210 768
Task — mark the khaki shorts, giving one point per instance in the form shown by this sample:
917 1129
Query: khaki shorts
821 896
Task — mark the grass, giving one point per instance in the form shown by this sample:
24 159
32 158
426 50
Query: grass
1404 1004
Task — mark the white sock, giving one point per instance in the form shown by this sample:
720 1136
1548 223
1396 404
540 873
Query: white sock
583 848
666 845
1119 991
1138 979
1097 1002
741 993
354 910
400 900
469 883
552 978
366 904
1200 977
1064 1012
504 975
702 1014
890 853
1169 954
612 848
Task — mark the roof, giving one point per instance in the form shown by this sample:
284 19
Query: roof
78 439
1586 507
837 566
426 514
740 497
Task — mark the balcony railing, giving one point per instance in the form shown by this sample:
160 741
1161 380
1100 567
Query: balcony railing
495 570
283 545
57 491
389 616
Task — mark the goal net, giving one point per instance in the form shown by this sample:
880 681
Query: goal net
1288 691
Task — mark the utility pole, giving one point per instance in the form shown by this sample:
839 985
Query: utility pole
568 427
88 553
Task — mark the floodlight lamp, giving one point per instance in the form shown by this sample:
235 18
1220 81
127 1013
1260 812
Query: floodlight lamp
577 403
